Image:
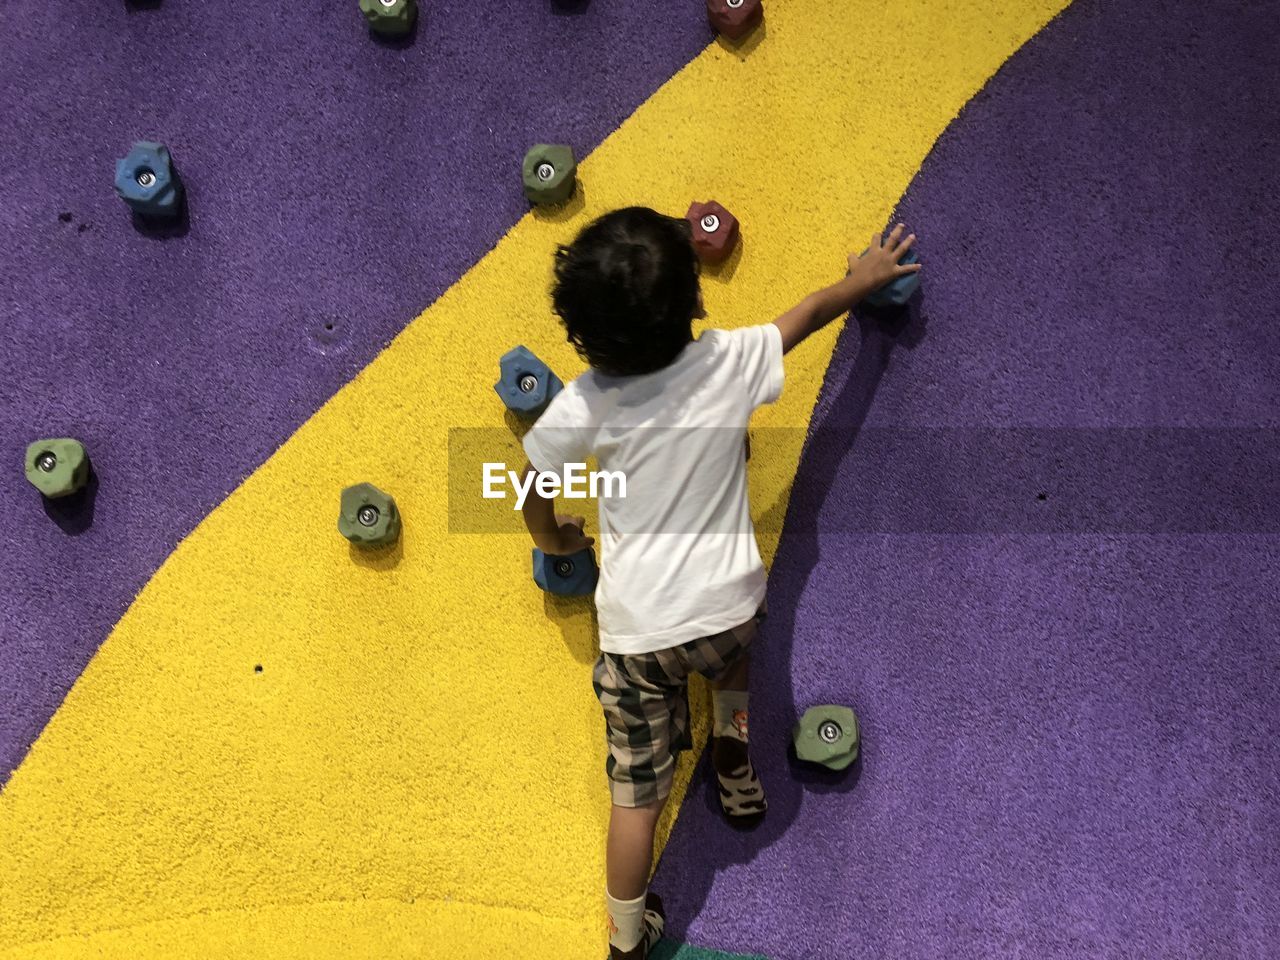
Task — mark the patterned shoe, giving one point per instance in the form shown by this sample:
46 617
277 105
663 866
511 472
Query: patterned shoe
741 796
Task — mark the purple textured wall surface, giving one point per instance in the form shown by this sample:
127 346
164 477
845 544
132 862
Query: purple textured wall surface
337 185
1070 728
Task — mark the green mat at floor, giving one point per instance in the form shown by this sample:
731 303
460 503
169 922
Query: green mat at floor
666 950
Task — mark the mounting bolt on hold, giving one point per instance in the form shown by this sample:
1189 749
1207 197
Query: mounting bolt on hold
713 229
147 181
390 18
368 517
525 384
828 735
571 576
548 173
734 19
57 467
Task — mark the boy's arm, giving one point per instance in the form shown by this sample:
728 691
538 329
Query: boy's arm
867 274
553 534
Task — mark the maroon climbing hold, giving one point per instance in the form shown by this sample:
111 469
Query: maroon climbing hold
715 231
734 19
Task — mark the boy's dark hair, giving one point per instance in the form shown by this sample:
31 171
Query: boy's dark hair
627 291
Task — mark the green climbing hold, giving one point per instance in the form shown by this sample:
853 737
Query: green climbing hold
548 173
828 734
391 18
369 517
57 467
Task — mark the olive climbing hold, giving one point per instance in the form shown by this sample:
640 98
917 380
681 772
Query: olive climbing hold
369 517
571 576
147 181
548 173
57 467
525 384
896 292
828 735
715 231
391 18
734 19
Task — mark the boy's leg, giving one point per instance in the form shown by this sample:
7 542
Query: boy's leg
741 794
729 718
629 855
636 918
642 712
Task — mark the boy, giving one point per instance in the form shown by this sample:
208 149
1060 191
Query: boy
681 581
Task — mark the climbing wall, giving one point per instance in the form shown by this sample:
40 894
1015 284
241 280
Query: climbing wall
226 729
1035 540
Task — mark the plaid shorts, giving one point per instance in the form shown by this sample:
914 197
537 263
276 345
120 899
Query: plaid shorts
646 708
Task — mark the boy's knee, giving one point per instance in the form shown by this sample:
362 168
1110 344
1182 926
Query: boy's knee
649 806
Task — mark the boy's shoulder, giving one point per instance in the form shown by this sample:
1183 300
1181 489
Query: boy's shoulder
713 345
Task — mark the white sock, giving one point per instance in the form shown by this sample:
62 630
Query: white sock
626 921
730 707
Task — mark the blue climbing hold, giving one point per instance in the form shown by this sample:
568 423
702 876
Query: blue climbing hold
898 292
147 182
526 384
571 576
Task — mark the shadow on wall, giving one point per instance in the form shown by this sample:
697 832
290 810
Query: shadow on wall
563 212
747 45
569 8
576 618
74 514
155 228
723 272
405 41
379 558
835 433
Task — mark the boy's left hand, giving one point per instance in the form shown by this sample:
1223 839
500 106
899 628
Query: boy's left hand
572 539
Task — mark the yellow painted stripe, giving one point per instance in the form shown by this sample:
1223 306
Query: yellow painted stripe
421 760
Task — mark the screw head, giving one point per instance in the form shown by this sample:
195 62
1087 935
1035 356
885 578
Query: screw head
145 178
545 171
734 4
528 383
829 732
564 567
367 515
711 223
47 461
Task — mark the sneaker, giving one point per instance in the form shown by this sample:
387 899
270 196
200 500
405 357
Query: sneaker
741 796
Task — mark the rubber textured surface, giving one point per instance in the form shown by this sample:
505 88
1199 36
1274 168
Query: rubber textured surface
363 793
337 184
1070 723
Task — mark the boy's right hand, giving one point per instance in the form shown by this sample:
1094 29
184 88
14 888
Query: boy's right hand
867 274
879 265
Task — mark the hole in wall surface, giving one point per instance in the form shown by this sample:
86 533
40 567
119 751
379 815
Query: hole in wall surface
328 334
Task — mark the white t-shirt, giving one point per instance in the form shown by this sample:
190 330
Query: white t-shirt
678 554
